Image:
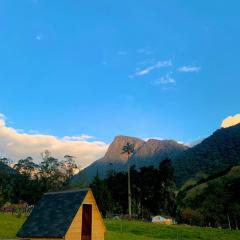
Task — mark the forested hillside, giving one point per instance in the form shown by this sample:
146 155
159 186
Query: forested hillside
215 154
213 201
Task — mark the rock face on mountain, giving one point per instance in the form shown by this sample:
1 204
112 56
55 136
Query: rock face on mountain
146 154
214 154
153 151
114 152
112 160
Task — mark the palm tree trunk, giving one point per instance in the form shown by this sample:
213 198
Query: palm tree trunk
229 223
129 191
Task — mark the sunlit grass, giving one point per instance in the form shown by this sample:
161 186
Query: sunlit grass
9 225
134 230
121 230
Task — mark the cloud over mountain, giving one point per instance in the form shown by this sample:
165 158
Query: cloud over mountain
231 121
15 145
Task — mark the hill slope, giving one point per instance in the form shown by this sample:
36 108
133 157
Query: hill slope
216 153
213 201
233 175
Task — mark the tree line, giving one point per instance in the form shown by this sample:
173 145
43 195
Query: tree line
28 181
152 191
214 202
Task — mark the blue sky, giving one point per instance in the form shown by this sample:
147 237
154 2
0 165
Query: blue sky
145 68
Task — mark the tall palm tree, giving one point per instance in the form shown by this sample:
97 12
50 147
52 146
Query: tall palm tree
129 150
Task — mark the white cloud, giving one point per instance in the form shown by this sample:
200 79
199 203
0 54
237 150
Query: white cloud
231 121
187 69
2 116
83 137
155 138
16 145
164 80
157 65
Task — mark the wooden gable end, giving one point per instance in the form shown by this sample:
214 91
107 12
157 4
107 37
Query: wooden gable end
98 228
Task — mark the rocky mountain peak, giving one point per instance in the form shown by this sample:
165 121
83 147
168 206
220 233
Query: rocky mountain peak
114 153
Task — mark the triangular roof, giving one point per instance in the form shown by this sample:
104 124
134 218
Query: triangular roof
53 214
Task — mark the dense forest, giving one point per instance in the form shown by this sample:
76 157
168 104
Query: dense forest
212 201
153 191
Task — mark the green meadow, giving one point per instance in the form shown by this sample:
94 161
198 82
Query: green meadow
135 230
9 225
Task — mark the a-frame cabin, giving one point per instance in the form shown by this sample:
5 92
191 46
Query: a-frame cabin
69 215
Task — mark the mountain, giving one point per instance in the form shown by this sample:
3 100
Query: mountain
214 154
114 153
112 160
153 151
146 154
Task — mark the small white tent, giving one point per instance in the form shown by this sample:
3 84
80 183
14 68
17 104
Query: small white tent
162 219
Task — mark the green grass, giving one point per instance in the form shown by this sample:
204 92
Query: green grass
9 225
134 230
121 230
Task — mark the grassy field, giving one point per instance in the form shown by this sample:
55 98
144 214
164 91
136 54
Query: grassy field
121 230
125 230
9 225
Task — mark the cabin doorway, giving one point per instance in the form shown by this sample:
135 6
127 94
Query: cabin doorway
86 222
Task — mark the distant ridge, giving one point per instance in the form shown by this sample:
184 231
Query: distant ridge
146 154
214 154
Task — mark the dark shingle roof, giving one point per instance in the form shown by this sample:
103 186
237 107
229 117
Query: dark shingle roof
53 214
